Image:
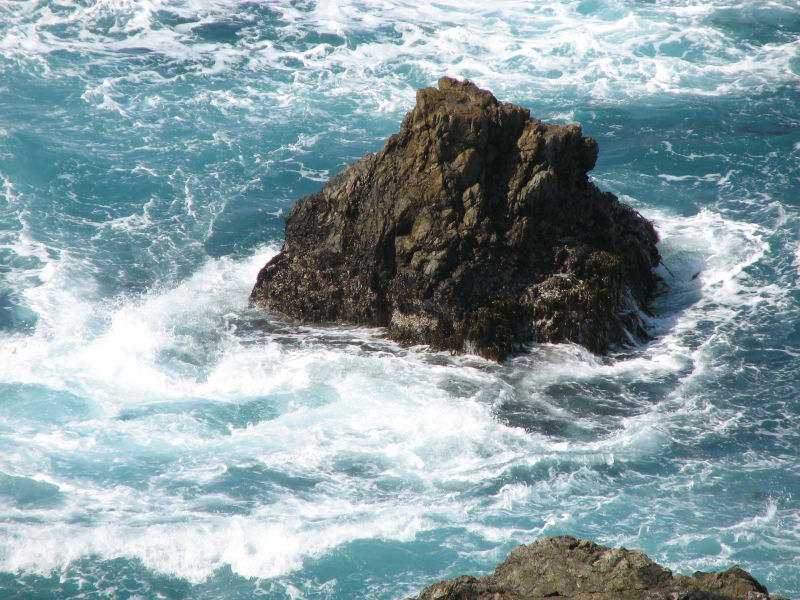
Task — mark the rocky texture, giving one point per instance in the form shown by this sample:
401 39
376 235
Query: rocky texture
581 570
475 228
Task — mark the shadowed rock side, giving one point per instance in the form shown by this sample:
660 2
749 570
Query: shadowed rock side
474 228
581 570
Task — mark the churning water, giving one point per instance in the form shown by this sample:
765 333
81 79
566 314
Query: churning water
160 439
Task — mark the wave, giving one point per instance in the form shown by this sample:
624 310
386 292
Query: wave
200 432
604 50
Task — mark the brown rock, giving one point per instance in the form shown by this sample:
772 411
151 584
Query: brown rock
475 228
582 570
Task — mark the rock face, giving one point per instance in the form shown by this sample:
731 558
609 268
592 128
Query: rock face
474 228
581 570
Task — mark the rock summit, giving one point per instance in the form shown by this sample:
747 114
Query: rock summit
475 229
581 570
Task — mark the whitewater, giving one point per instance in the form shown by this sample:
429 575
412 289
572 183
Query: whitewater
160 438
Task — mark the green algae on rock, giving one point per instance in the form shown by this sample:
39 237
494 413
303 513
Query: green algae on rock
581 570
475 228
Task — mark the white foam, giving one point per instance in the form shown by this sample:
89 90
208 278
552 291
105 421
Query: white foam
717 177
193 551
122 355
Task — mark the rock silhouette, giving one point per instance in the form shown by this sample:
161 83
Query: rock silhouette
474 229
582 570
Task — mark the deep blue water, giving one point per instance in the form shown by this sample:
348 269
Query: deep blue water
160 439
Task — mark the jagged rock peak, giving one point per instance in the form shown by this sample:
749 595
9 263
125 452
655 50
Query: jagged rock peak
582 570
475 228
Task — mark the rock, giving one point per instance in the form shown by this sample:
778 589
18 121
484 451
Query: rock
582 570
475 228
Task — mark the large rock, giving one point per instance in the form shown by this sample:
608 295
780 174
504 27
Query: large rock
581 570
474 228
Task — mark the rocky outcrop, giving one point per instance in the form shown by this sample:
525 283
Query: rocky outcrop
474 228
581 570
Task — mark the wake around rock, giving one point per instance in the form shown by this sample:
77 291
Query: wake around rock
474 229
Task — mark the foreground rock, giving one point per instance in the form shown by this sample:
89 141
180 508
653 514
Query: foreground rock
581 570
475 228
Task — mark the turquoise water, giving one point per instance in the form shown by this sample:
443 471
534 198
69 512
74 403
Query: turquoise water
160 439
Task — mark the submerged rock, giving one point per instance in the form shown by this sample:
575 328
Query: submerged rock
582 570
474 228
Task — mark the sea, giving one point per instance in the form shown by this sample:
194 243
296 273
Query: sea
162 439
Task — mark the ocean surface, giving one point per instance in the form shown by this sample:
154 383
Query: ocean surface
161 439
